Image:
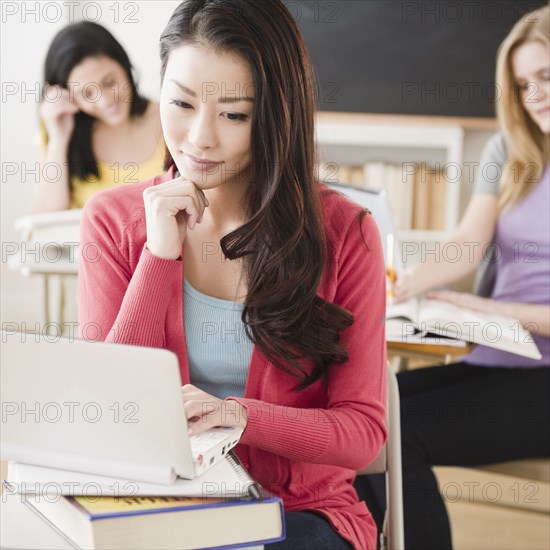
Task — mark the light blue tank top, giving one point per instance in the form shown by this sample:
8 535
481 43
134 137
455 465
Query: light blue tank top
218 348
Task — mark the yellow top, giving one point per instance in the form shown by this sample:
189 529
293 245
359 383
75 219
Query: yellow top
112 174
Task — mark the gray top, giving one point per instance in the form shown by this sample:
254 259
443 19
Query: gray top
218 349
491 165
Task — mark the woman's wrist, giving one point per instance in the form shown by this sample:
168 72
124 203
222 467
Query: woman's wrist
239 413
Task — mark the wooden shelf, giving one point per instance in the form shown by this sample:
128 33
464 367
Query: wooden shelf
466 123
392 131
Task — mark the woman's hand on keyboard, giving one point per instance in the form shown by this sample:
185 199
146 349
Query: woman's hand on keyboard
205 411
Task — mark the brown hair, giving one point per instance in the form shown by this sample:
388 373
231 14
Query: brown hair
528 147
283 242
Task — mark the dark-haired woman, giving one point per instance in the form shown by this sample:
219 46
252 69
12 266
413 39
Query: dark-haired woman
269 287
95 127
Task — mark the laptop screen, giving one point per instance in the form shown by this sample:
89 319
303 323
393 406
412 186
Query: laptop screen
377 202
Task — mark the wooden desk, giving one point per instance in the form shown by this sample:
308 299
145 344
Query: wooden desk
66 266
402 352
49 248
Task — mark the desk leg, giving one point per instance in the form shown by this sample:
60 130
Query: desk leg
47 299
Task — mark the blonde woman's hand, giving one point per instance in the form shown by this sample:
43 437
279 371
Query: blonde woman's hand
467 301
170 209
58 111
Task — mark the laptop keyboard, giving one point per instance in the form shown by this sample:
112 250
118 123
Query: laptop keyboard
205 441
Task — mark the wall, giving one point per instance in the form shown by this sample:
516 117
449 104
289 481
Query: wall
27 30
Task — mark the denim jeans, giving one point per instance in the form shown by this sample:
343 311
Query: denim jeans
309 531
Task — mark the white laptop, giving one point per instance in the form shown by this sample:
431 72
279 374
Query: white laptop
377 202
104 409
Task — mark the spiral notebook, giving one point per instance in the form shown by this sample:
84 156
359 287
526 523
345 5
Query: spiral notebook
227 479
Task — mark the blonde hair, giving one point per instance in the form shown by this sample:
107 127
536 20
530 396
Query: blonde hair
528 146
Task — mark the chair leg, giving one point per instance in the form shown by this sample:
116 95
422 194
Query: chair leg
399 363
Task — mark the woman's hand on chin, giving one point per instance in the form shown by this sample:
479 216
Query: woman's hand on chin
170 209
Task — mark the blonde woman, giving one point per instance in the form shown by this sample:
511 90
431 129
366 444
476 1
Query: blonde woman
491 406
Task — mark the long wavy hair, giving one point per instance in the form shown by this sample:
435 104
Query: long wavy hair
282 243
71 45
527 146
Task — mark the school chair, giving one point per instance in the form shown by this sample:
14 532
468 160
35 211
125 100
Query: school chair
389 459
389 462
50 249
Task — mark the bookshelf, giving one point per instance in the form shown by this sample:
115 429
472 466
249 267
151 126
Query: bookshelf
357 138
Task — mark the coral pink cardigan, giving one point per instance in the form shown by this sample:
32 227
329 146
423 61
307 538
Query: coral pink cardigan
304 446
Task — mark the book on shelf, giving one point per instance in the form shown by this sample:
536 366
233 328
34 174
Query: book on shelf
436 322
398 185
429 198
402 194
438 198
374 175
421 200
140 522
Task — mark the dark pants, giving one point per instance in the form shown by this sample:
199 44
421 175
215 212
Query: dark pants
460 415
309 531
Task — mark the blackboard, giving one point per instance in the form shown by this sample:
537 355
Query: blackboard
407 57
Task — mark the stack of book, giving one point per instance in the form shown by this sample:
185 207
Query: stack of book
114 480
222 508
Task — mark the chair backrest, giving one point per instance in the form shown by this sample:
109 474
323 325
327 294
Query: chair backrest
486 273
377 202
389 461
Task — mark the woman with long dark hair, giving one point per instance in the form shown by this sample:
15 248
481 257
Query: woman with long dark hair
269 287
95 126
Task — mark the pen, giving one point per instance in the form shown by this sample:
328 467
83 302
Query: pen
389 266
255 491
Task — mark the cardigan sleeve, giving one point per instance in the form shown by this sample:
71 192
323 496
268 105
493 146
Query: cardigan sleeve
351 430
120 302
